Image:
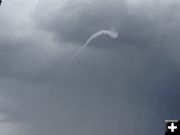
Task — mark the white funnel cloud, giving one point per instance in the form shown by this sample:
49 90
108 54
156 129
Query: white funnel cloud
111 33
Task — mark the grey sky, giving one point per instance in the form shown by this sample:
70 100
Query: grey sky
110 87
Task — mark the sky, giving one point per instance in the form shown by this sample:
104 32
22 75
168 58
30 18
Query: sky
123 86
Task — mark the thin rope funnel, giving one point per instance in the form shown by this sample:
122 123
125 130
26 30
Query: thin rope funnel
111 33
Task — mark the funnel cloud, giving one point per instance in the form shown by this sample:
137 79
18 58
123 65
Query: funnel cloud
113 34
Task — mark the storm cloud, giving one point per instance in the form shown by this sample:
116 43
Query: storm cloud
109 88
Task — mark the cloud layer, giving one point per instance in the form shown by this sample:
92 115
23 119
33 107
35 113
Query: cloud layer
109 88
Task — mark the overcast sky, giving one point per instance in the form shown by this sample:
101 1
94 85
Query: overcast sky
123 86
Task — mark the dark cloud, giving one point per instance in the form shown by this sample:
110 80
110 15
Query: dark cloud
107 89
138 25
